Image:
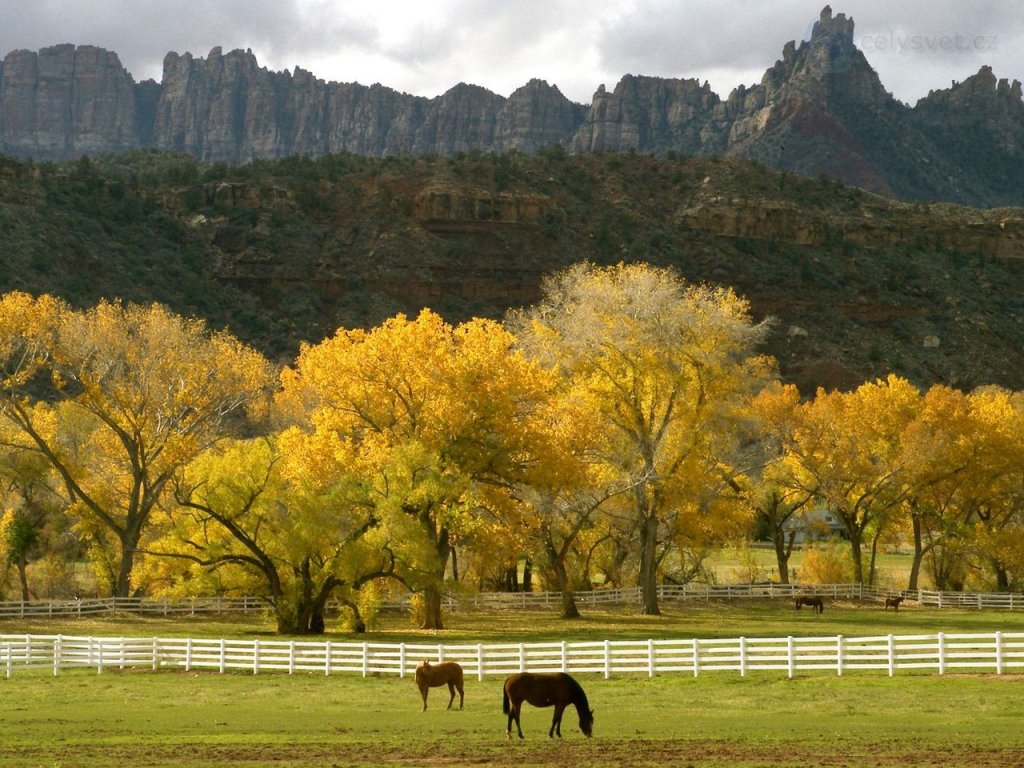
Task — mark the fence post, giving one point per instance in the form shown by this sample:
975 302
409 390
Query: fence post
565 660
999 653
522 657
790 659
839 655
891 649
479 662
366 658
743 657
401 660
156 654
650 658
223 656
256 656
941 637
328 653
607 659
696 657
56 656
10 665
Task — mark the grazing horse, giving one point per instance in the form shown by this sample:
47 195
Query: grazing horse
894 602
435 675
550 689
815 603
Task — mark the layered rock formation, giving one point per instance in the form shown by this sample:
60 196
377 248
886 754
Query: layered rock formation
820 109
66 101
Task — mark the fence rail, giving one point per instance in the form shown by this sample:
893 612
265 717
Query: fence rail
507 600
996 652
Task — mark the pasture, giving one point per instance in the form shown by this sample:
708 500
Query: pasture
176 719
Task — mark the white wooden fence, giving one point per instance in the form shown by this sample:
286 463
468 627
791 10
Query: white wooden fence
508 600
997 652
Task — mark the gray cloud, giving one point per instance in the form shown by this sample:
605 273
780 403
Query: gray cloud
428 46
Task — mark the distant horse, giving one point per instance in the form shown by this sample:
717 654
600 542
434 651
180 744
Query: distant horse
549 689
814 603
894 602
435 675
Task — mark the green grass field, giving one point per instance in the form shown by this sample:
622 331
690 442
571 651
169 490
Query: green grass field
178 720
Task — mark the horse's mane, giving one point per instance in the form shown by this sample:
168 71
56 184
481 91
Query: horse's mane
578 696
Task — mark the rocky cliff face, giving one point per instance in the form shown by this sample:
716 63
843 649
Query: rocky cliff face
66 101
820 109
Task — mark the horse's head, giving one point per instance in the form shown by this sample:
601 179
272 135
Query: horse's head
587 722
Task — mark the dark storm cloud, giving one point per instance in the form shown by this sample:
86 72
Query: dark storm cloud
142 31
915 45
427 46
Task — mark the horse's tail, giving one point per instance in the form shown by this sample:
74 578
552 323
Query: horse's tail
504 702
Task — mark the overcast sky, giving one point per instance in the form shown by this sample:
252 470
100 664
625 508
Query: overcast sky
424 47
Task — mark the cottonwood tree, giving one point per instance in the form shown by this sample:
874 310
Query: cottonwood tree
765 484
31 510
253 518
139 392
996 500
565 488
434 418
665 364
846 451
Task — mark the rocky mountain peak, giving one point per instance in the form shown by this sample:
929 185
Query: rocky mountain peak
819 109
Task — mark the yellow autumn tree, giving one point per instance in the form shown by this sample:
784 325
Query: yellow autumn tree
945 463
846 451
994 496
666 365
565 489
433 417
246 524
140 391
764 484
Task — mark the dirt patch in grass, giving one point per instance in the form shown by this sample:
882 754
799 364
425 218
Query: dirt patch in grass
638 753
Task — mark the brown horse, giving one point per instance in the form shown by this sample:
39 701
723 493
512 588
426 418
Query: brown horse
814 603
893 602
551 689
435 675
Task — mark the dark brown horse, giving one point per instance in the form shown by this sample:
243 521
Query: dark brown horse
893 602
435 675
814 603
551 689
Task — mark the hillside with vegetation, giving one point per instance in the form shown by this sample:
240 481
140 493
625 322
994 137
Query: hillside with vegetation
287 251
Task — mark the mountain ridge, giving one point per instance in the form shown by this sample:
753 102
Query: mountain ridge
819 109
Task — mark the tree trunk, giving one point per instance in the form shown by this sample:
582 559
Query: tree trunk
528 575
432 594
649 566
23 578
915 563
1002 576
123 585
569 608
432 609
874 557
855 551
782 552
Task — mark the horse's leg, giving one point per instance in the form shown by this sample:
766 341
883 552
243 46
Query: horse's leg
461 693
423 693
451 691
556 721
513 714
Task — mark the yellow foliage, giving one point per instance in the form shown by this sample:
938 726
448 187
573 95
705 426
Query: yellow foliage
826 563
